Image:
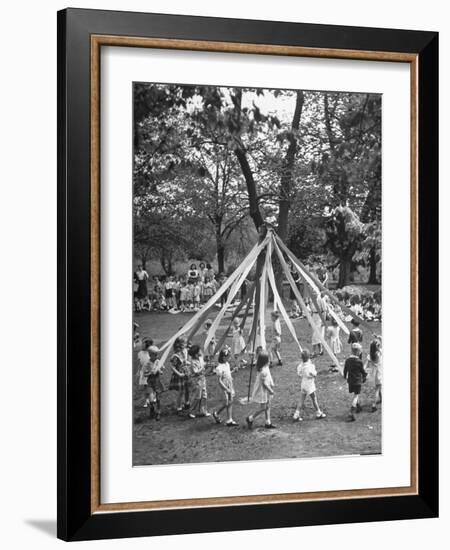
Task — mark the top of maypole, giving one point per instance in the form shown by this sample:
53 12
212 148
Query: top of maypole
263 229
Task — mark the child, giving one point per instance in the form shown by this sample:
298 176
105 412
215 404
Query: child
355 336
296 312
262 391
154 385
356 376
237 344
317 334
180 376
168 290
375 368
196 291
198 382
276 337
307 372
333 334
208 289
190 296
183 295
335 342
225 380
136 338
176 294
208 352
143 371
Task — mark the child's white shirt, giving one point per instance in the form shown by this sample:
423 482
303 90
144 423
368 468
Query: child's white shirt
277 327
143 358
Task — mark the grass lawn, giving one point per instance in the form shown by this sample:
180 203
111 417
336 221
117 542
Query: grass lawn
176 439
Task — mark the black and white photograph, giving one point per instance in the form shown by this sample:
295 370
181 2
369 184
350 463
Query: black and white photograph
257 274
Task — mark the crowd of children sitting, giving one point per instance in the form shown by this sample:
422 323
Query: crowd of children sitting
177 294
191 363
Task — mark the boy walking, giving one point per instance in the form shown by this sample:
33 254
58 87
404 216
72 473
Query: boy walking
355 375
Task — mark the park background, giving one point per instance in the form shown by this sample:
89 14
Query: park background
28 224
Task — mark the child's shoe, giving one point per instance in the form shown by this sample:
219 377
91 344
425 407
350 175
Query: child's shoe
191 415
249 423
351 416
231 423
320 415
216 418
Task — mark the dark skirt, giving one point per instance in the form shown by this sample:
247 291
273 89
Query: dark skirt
142 291
177 383
354 388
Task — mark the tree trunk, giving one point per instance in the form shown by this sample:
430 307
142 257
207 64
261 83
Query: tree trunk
372 267
144 261
220 245
166 262
221 258
241 155
286 182
344 272
253 201
162 259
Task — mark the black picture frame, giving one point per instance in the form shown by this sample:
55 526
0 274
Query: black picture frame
76 521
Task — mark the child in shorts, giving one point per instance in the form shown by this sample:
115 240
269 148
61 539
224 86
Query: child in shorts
307 373
355 375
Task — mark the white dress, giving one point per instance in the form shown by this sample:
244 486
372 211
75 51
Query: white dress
307 372
144 362
335 341
263 378
237 342
223 372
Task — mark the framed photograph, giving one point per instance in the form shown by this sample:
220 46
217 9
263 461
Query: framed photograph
247 255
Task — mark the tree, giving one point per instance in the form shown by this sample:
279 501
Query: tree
345 234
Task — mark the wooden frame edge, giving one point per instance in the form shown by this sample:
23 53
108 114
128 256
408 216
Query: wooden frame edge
231 47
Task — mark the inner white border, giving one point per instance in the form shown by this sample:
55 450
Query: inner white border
120 482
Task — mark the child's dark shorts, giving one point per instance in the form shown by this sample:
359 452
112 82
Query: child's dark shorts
354 388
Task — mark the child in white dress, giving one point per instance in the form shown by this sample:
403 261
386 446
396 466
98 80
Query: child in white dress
225 379
184 292
237 344
333 335
196 295
208 352
263 391
307 373
197 382
275 347
374 367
